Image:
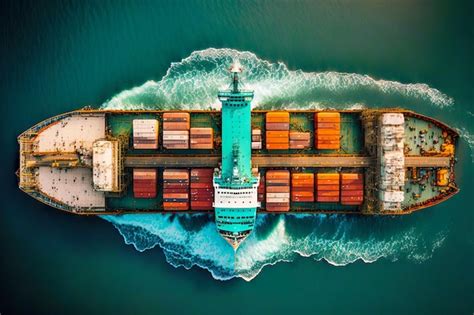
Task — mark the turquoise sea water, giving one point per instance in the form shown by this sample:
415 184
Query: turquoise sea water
59 56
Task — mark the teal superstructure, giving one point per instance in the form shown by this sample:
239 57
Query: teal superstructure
235 200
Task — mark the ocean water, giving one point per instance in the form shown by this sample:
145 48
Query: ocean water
59 56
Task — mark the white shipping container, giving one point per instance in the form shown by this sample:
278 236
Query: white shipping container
175 137
278 195
175 132
277 200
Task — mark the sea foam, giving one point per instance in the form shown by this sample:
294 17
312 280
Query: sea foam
336 239
195 80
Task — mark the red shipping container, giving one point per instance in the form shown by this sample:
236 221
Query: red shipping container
327 199
352 193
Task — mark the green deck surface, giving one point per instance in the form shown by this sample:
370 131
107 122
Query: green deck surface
351 143
425 188
413 139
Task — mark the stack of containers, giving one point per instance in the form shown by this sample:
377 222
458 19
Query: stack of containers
144 183
261 184
278 190
145 134
176 130
277 126
202 191
352 189
256 139
327 186
261 189
176 189
299 140
202 138
327 130
302 187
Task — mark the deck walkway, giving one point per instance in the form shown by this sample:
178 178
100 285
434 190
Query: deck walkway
257 160
279 161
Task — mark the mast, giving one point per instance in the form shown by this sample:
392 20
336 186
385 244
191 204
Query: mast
235 69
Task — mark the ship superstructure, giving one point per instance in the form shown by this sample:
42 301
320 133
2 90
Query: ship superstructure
235 187
237 162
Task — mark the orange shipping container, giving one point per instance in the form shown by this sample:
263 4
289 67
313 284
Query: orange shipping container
328 125
302 194
328 193
278 189
277 174
277 134
176 205
296 176
351 176
328 176
277 141
323 132
277 146
176 116
294 135
278 116
277 208
305 184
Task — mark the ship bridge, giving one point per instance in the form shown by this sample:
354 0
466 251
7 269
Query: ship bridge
235 200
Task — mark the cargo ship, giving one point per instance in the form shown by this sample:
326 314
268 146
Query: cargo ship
236 162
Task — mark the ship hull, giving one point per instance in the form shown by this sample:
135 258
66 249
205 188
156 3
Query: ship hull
353 156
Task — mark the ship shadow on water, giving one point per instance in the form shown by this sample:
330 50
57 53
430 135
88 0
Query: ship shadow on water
192 222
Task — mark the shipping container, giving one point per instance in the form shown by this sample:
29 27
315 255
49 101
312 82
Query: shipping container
352 189
327 130
295 135
176 117
277 117
176 189
176 125
202 190
261 189
176 130
145 134
277 126
144 182
277 190
202 138
327 187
